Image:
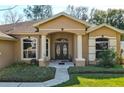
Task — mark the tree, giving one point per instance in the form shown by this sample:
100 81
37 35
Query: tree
97 16
78 12
37 12
12 17
114 17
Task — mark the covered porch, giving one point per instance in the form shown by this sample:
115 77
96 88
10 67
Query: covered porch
61 47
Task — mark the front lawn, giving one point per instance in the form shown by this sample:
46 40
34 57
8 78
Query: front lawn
23 72
94 80
92 76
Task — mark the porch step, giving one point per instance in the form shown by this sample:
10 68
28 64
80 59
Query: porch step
59 64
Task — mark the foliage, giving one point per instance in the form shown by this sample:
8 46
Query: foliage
78 12
119 59
37 12
22 72
122 37
114 17
107 58
97 16
118 69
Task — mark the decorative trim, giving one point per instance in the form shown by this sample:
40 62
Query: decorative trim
101 37
92 56
81 59
92 48
60 29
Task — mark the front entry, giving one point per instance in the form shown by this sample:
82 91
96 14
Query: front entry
61 49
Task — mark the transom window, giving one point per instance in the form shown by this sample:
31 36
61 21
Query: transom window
61 40
29 48
101 45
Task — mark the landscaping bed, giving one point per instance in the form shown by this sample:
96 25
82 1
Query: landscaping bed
94 69
22 72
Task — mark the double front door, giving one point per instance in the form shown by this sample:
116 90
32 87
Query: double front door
61 50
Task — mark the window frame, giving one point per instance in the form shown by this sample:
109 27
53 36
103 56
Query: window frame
47 47
100 42
22 48
48 50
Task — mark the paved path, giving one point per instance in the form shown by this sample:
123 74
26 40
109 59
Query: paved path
60 76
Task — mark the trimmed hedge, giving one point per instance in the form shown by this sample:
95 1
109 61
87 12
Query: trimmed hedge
93 69
22 72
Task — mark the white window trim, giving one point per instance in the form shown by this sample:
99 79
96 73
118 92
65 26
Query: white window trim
22 48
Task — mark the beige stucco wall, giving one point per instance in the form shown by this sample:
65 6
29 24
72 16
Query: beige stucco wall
107 32
85 47
7 53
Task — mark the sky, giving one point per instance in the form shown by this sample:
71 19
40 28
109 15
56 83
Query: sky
60 5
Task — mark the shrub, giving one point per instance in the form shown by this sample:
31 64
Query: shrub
107 58
23 72
118 69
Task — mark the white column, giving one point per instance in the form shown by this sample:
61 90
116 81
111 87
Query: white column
43 47
79 46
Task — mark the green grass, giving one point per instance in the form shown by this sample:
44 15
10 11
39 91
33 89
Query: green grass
94 80
92 76
26 73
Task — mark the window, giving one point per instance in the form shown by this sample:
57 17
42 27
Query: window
47 47
29 48
101 45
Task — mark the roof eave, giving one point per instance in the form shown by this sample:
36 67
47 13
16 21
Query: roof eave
10 39
102 25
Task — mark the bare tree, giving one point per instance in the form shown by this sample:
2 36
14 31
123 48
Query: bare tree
78 12
12 17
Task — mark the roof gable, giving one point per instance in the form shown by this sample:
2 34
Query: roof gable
104 25
61 14
62 22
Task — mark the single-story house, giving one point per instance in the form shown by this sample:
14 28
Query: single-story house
61 37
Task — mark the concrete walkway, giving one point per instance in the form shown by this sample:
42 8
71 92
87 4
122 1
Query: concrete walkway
61 75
